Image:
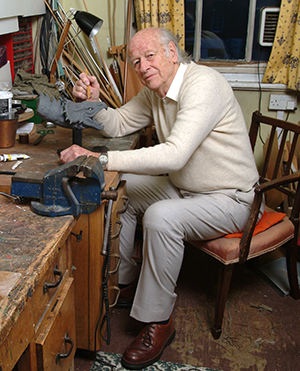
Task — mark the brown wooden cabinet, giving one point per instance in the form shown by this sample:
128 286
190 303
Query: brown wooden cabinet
88 269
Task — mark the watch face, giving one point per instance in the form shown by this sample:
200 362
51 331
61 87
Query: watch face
103 159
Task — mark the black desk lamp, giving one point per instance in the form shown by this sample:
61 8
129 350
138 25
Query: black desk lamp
87 22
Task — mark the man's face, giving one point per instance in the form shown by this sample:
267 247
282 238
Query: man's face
150 61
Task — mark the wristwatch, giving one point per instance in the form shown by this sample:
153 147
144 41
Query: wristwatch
103 158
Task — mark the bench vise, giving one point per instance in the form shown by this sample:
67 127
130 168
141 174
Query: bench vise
61 191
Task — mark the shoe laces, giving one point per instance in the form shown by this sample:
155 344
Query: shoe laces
147 335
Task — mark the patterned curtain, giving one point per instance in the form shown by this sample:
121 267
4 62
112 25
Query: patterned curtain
284 65
167 14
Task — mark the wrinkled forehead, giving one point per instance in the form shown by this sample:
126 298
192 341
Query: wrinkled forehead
142 41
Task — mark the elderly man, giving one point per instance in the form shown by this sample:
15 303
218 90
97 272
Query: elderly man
196 184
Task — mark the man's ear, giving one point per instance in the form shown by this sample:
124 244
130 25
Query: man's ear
173 51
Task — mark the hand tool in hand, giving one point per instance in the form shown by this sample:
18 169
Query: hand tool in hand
88 89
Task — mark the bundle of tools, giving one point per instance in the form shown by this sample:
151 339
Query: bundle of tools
72 48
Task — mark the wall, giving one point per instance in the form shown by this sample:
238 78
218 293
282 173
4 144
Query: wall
100 8
249 102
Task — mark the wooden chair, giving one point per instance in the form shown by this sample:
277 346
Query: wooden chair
238 250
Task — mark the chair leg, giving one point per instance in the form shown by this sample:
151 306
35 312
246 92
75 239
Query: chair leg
291 262
225 274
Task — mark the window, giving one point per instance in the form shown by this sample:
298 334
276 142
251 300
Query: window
225 29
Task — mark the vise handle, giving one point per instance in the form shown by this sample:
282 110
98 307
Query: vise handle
109 195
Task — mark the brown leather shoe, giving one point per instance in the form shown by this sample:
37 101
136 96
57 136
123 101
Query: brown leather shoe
126 296
148 346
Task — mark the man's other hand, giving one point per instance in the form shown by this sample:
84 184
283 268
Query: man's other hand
71 153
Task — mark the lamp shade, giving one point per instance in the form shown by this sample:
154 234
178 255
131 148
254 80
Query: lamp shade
87 22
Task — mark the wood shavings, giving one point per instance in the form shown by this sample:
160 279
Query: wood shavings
259 341
262 307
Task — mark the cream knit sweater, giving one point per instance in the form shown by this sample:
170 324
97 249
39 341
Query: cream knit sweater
204 144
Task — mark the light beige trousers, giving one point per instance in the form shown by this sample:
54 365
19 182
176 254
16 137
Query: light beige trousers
169 218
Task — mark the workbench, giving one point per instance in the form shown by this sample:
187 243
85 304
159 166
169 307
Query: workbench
40 328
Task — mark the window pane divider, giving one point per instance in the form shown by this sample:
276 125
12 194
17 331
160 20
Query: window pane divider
250 30
198 29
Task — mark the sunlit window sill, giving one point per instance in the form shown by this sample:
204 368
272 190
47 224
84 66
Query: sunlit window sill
246 76
240 81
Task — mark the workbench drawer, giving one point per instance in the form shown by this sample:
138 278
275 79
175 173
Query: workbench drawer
55 341
51 281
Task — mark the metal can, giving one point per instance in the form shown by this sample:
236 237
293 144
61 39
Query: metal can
5 101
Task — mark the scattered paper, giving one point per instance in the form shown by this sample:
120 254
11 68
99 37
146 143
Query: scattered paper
25 127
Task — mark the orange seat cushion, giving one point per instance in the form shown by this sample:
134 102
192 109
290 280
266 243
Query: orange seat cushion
267 220
226 250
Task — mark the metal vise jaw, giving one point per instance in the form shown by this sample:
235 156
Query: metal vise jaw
60 191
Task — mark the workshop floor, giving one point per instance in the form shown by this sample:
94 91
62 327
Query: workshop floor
260 333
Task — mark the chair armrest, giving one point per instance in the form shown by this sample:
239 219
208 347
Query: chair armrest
285 180
252 220
249 228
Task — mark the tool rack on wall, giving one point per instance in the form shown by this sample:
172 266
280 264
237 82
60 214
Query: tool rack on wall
19 47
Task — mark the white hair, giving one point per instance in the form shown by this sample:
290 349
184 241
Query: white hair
166 37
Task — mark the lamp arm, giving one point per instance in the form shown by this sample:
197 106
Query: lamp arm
84 46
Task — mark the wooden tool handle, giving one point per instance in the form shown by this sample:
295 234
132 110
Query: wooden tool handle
88 89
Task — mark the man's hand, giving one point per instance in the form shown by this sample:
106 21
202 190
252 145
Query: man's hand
75 151
80 88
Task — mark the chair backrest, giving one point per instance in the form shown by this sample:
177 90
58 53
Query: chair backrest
283 136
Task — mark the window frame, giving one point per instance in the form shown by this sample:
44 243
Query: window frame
198 28
241 74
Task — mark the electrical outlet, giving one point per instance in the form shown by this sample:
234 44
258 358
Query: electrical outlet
282 102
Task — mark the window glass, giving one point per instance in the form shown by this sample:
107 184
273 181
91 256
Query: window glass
224 29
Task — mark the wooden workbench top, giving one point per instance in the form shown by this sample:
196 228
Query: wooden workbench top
44 156
28 243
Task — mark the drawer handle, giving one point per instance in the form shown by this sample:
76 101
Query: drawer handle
117 297
78 236
48 286
125 205
117 256
115 236
65 355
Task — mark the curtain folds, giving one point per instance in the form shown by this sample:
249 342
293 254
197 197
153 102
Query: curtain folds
284 66
167 14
